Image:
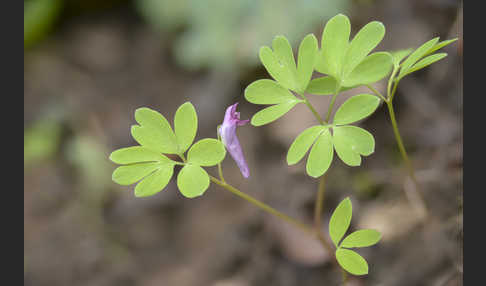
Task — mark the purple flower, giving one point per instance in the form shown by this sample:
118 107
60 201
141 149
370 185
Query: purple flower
227 131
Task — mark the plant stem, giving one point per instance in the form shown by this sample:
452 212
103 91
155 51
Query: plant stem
376 92
220 171
329 110
345 276
403 152
318 212
318 117
264 206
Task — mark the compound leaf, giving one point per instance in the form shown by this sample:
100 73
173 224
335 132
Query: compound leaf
185 126
154 132
417 55
272 113
399 55
350 142
340 220
334 43
266 91
135 154
320 156
425 62
325 85
362 44
192 181
302 143
130 174
356 108
156 181
440 45
206 152
361 238
352 261
306 60
373 68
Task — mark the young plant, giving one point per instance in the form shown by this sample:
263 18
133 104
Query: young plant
346 65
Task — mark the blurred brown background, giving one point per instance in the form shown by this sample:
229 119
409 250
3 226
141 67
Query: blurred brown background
89 64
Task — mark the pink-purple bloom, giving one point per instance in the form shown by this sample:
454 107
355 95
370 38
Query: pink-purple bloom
227 131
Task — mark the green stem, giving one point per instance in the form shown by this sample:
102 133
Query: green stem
307 102
331 105
376 92
403 152
390 81
220 171
345 276
318 213
264 206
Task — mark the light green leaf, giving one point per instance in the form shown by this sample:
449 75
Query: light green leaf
334 43
185 126
320 156
130 174
272 113
266 91
352 261
192 181
440 45
306 60
399 55
325 85
280 62
362 44
155 182
350 142
302 143
373 68
206 152
154 132
361 238
417 55
356 108
340 220
425 62
283 50
276 69
135 154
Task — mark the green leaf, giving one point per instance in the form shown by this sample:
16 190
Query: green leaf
130 174
280 62
440 45
154 132
362 44
266 91
206 152
306 59
417 55
192 181
302 143
350 142
325 85
320 156
352 261
399 55
356 108
361 238
340 220
334 43
135 154
272 113
185 126
155 182
425 62
372 69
